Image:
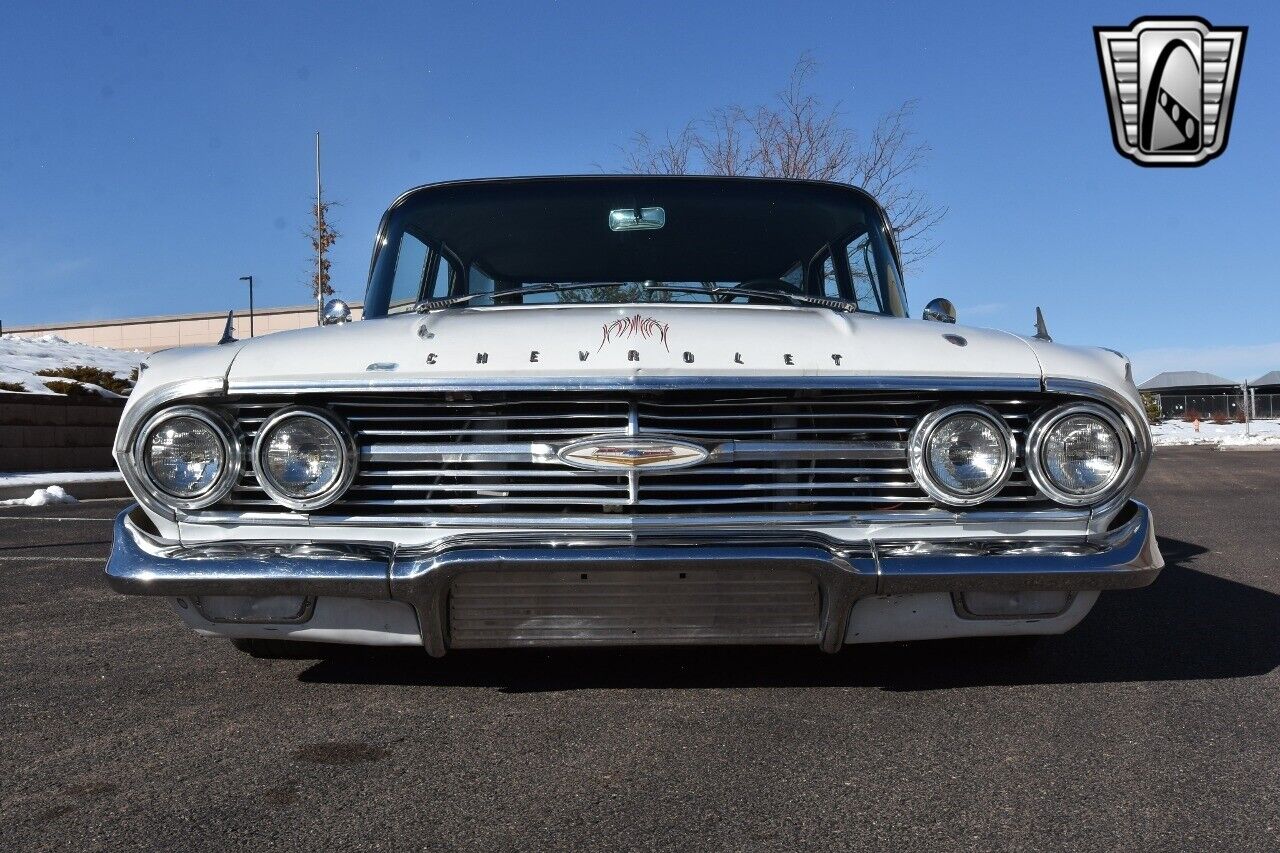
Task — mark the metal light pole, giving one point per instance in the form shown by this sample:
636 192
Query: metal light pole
249 279
319 241
1248 414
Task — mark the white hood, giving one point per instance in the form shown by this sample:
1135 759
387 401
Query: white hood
600 342
1087 364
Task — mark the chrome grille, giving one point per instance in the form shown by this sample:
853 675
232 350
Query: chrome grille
618 607
771 451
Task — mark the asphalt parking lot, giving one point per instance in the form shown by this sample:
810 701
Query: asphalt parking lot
1154 725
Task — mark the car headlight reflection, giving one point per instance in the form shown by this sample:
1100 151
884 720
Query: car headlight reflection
966 454
304 458
184 457
1079 454
188 456
961 455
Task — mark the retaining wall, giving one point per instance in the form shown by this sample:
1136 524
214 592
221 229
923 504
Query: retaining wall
50 432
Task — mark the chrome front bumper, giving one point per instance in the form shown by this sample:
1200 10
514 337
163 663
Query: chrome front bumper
1125 557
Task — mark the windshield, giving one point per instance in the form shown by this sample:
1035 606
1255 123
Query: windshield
633 239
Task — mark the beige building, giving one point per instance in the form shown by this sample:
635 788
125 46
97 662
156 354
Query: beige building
177 330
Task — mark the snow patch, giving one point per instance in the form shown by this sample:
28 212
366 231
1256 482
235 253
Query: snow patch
1181 434
43 497
20 358
39 478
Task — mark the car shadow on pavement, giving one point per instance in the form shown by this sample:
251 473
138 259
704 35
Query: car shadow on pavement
1188 625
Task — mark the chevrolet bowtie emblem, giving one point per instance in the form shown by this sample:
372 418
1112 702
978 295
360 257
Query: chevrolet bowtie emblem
613 453
1170 85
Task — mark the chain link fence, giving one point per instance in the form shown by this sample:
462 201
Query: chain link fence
1207 405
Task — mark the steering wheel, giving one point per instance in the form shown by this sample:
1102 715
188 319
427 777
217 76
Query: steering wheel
770 285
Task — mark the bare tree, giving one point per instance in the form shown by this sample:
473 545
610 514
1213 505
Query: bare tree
797 135
322 236
663 158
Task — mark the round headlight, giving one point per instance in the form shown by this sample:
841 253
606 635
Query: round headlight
1078 454
304 458
189 456
961 455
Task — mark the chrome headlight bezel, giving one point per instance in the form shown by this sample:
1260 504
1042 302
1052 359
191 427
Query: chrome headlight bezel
229 443
917 454
340 484
1045 424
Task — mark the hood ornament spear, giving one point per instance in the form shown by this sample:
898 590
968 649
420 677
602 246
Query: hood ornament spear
228 331
1042 332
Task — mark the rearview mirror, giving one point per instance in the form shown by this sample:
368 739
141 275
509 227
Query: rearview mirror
940 311
637 218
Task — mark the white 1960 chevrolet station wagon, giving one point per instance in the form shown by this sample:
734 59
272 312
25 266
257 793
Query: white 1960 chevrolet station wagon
633 410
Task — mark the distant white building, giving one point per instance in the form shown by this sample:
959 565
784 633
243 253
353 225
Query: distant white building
177 330
1267 383
1206 393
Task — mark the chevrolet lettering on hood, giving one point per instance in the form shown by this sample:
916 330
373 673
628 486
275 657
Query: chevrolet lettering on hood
633 410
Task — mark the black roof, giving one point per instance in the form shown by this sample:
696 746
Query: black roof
1185 379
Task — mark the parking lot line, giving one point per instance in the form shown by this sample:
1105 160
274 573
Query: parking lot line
51 518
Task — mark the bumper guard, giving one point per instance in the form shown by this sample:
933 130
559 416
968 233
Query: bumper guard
1125 557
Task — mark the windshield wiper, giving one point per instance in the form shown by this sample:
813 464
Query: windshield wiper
433 304
793 298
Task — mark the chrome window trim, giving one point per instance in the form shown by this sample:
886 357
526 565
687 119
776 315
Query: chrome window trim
917 450
346 474
1035 447
228 436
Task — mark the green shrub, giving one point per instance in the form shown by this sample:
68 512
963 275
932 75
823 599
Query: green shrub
71 389
1152 406
92 376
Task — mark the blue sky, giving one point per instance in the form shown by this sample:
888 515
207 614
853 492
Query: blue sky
151 154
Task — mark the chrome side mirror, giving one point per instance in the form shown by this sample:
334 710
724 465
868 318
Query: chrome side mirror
336 311
940 311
